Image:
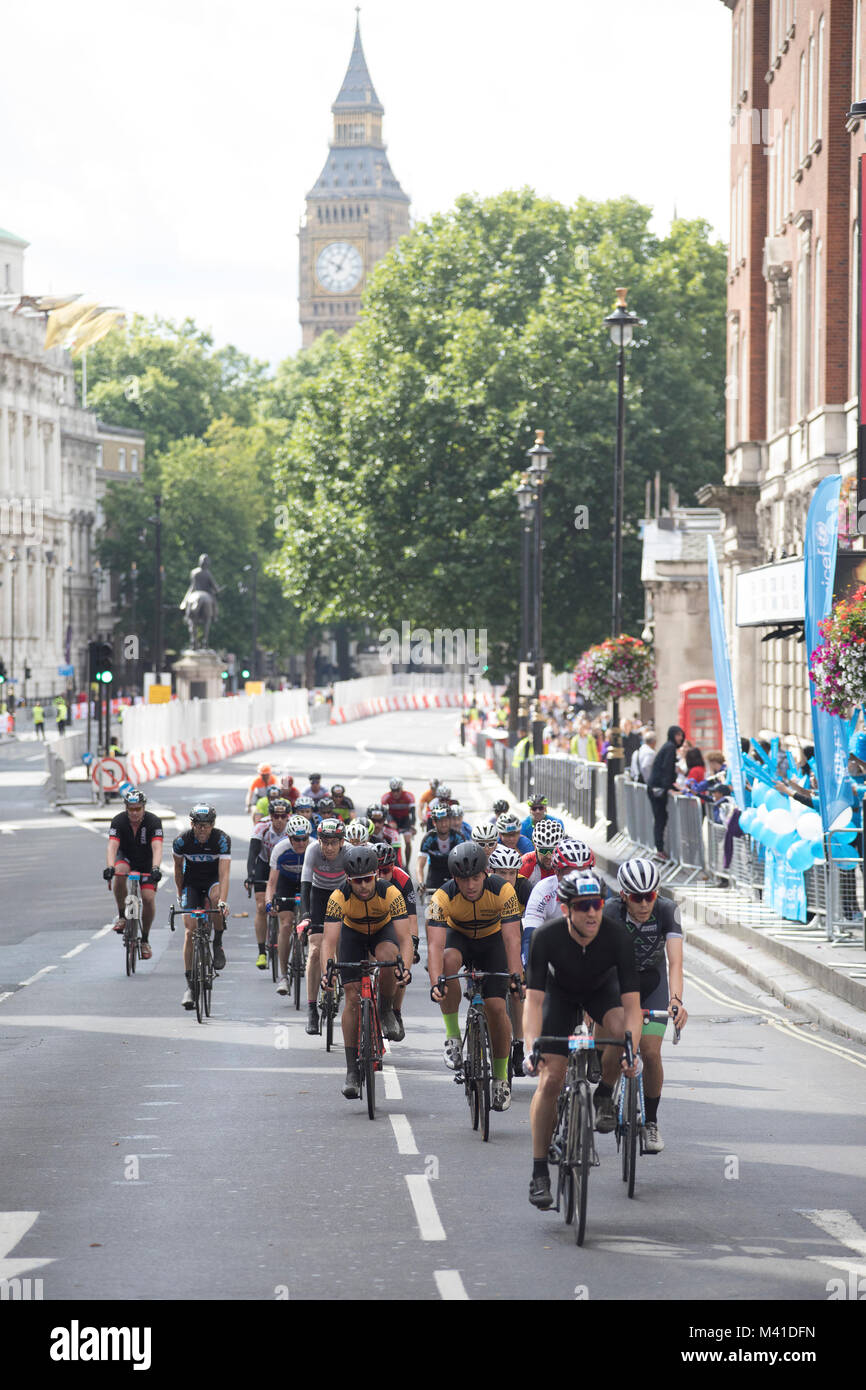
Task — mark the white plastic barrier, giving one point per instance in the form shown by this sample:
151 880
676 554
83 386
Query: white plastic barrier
160 740
383 694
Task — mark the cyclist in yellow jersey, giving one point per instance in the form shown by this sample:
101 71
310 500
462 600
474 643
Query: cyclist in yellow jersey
474 919
366 919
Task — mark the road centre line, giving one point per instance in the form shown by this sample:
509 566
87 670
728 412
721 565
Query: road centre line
44 971
76 950
426 1215
103 931
449 1284
403 1134
392 1084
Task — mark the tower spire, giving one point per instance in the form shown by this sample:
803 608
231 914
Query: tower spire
357 90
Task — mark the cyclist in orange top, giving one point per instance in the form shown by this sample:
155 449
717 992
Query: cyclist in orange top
258 786
424 801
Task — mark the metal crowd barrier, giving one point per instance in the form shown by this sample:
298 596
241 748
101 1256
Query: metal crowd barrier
695 843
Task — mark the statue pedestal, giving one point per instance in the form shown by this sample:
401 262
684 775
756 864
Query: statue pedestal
198 676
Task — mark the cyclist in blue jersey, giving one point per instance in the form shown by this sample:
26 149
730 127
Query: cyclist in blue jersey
284 881
537 811
510 833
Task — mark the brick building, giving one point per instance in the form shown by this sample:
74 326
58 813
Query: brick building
792 330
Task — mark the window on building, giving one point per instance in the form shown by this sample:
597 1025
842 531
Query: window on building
735 68
810 130
99 456
801 113
8 278
786 170
857 50
121 460
855 300
134 461
744 220
771 376
803 336
819 80
817 311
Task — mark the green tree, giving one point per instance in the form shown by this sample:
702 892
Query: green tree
483 324
166 379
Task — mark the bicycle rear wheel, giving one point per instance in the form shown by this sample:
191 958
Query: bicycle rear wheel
367 1058
329 1009
298 969
566 1194
273 934
129 943
580 1144
629 1139
483 1074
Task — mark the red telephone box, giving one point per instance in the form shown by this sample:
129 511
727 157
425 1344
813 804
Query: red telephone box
699 714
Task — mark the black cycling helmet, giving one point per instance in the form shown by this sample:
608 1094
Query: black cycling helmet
202 814
386 853
578 884
360 860
280 807
326 804
134 798
315 776
337 789
500 807
273 793
467 859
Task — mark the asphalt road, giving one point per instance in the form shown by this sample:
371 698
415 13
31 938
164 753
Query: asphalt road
145 1156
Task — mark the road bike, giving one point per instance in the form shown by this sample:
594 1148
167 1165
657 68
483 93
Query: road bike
371 1041
330 999
202 973
475 1071
572 1147
296 965
132 921
628 1100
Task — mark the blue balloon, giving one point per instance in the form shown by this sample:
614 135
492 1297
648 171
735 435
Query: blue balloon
775 801
799 856
784 842
747 820
817 851
759 793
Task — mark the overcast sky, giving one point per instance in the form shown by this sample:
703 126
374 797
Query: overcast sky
157 156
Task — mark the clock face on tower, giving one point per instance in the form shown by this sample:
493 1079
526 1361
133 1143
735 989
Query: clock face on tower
339 267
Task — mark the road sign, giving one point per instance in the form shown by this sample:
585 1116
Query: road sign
66 670
108 774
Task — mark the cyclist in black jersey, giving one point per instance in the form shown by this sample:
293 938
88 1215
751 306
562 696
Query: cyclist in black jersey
202 863
135 842
577 963
656 930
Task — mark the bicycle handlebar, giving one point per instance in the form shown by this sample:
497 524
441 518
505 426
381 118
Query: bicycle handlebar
192 912
365 966
587 1042
662 1016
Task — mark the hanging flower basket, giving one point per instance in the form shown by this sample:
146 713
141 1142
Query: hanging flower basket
838 665
615 668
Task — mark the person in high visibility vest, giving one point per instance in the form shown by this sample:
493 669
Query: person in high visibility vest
39 721
522 749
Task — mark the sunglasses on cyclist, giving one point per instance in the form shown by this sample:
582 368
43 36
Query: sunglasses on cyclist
643 897
587 904
279 815
364 878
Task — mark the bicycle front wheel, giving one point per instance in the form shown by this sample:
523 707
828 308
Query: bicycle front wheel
198 979
367 1057
629 1140
482 1069
297 968
580 1146
129 942
273 934
566 1194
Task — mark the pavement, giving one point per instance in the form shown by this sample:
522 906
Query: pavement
824 982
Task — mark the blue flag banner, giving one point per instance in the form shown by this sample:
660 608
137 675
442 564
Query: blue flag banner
724 681
830 733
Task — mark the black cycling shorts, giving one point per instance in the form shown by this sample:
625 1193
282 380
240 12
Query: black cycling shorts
485 953
194 896
562 1012
355 945
287 887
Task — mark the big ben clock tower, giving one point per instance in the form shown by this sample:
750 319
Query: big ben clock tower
355 212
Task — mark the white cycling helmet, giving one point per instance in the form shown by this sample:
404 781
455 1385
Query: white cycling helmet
508 823
395 784
485 832
638 876
357 833
504 858
546 833
298 827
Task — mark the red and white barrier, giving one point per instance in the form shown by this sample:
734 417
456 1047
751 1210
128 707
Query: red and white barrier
345 709
163 740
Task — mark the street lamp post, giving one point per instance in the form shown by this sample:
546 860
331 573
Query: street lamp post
526 505
13 565
157 636
539 461
620 324
253 570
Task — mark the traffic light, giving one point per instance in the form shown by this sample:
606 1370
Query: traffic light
225 675
2 671
101 662
27 673
245 673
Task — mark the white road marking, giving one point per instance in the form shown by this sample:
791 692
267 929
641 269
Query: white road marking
449 1284
76 950
161 1085
14 1225
403 1134
392 1084
781 1024
103 931
160 1102
426 1215
841 1226
44 971
7 994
